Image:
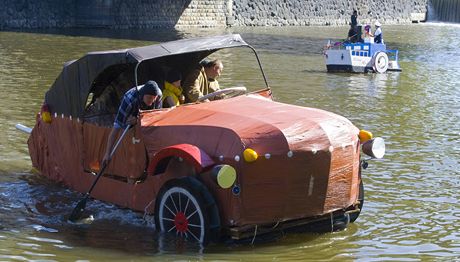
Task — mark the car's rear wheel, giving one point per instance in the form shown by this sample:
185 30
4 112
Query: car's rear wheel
355 215
185 208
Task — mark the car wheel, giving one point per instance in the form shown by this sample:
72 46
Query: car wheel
381 62
185 208
355 215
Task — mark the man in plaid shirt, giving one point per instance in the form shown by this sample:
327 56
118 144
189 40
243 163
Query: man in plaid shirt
147 96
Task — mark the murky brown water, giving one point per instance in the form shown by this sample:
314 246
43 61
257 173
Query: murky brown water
412 209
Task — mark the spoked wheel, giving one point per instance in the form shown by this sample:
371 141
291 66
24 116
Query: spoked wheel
354 216
183 210
381 62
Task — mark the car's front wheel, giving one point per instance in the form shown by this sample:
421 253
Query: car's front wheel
184 209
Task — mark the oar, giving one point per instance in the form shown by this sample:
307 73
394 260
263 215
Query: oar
78 210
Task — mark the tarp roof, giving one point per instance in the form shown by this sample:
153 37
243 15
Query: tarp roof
70 91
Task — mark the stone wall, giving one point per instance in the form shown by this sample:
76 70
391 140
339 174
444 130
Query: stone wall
325 12
204 13
129 13
36 13
22 14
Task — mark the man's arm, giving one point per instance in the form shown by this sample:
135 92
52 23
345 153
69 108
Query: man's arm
122 119
192 86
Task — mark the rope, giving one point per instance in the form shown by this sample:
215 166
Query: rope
255 234
146 212
332 223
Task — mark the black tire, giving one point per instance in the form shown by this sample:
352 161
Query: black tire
355 215
381 62
186 208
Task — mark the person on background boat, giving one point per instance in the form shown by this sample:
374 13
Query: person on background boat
368 37
352 35
145 97
172 92
378 36
203 80
354 18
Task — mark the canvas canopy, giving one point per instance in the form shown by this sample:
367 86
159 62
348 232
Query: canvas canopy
69 93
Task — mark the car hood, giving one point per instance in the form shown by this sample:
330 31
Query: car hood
226 127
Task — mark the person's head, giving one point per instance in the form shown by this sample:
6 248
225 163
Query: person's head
213 68
377 24
367 28
174 77
149 92
355 12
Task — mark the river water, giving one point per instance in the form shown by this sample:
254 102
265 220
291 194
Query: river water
412 209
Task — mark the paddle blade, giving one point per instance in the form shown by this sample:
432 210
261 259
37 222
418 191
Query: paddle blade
78 210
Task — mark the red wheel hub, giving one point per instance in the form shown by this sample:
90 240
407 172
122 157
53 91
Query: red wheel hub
181 222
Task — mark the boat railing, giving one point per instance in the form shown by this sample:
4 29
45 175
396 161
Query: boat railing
392 54
333 45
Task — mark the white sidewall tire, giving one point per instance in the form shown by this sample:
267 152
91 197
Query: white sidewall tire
196 206
381 62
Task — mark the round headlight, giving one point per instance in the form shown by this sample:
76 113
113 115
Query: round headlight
224 175
375 147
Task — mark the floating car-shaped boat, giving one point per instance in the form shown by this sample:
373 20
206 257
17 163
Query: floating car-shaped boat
234 167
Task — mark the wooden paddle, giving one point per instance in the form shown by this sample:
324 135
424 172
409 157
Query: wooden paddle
78 210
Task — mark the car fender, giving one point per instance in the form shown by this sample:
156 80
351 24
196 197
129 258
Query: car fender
189 153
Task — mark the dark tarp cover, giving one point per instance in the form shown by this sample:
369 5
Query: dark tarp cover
70 91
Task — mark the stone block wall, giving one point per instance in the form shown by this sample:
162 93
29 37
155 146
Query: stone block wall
325 12
129 13
22 14
204 13
36 14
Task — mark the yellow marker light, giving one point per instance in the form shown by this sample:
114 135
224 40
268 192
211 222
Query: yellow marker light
226 175
45 113
46 117
364 135
250 155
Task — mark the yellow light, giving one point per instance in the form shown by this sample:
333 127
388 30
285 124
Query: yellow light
46 117
364 135
226 176
250 155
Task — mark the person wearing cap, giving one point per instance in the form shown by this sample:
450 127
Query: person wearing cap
203 80
145 97
378 36
172 92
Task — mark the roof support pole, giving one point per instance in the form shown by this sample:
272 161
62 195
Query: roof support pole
260 65
135 74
